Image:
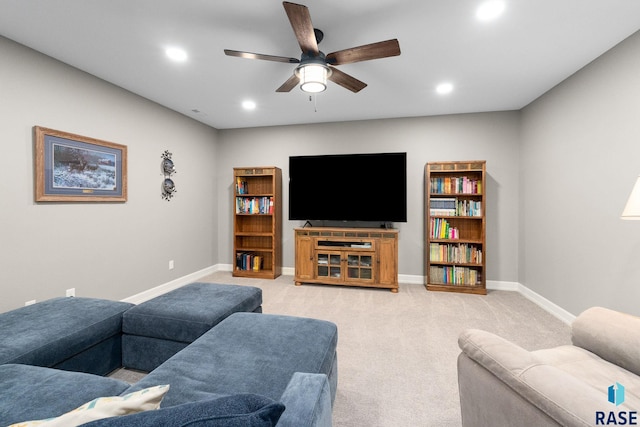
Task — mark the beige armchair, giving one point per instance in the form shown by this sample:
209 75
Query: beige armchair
502 384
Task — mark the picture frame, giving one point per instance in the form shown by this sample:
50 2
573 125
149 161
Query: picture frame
76 168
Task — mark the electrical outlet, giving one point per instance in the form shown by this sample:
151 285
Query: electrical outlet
71 292
171 265
30 302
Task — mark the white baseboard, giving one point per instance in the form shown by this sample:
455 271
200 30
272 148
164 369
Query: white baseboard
287 271
547 305
496 285
174 284
410 279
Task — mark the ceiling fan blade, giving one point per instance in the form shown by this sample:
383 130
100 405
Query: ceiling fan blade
364 53
289 84
300 20
249 55
346 81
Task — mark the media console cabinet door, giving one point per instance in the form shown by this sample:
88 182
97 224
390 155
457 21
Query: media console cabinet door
304 258
388 267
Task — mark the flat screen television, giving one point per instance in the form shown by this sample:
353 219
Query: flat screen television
348 187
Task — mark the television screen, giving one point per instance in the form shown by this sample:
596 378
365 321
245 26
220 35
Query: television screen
348 187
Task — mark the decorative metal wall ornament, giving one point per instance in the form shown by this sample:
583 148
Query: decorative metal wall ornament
168 169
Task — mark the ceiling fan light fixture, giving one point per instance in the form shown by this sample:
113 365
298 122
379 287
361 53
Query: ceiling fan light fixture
313 77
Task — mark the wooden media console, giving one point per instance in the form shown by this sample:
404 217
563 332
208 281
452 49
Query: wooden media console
347 256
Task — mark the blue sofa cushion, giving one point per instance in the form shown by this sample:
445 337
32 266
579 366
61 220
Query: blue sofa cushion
52 331
247 353
33 392
244 410
188 312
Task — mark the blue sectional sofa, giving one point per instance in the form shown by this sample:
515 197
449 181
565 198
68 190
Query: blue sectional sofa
75 334
248 369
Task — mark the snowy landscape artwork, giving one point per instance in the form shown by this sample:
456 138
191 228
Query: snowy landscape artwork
83 169
75 168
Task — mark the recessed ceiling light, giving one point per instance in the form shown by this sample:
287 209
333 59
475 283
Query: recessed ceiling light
444 88
490 10
176 54
248 105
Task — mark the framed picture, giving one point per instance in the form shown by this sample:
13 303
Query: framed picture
74 168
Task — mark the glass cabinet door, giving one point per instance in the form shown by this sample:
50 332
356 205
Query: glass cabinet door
329 265
360 267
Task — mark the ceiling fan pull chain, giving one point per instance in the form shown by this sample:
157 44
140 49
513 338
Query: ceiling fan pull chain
314 98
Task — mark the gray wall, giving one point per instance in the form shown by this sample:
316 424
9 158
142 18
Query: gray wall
580 155
102 250
491 136
559 174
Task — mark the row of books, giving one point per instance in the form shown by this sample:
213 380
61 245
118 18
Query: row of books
254 205
441 229
241 186
461 253
451 206
463 276
248 261
455 185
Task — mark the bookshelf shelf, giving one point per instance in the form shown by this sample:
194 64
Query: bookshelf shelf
455 224
257 222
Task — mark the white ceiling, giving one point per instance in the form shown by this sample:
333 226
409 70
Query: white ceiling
500 65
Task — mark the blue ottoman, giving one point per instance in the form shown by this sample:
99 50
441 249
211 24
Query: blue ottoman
159 328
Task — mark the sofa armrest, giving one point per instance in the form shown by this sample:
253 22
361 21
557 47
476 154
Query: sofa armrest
307 401
611 335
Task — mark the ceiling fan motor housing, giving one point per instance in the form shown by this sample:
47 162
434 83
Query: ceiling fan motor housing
310 59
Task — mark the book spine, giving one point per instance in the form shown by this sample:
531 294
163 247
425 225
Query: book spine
453 275
441 229
462 253
254 205
455 185
241 186
249 261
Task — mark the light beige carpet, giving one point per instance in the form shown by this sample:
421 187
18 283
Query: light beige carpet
397 352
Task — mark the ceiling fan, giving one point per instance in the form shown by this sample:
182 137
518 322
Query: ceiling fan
316 67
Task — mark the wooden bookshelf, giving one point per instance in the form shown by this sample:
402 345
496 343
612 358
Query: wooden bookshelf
257 222
455 226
